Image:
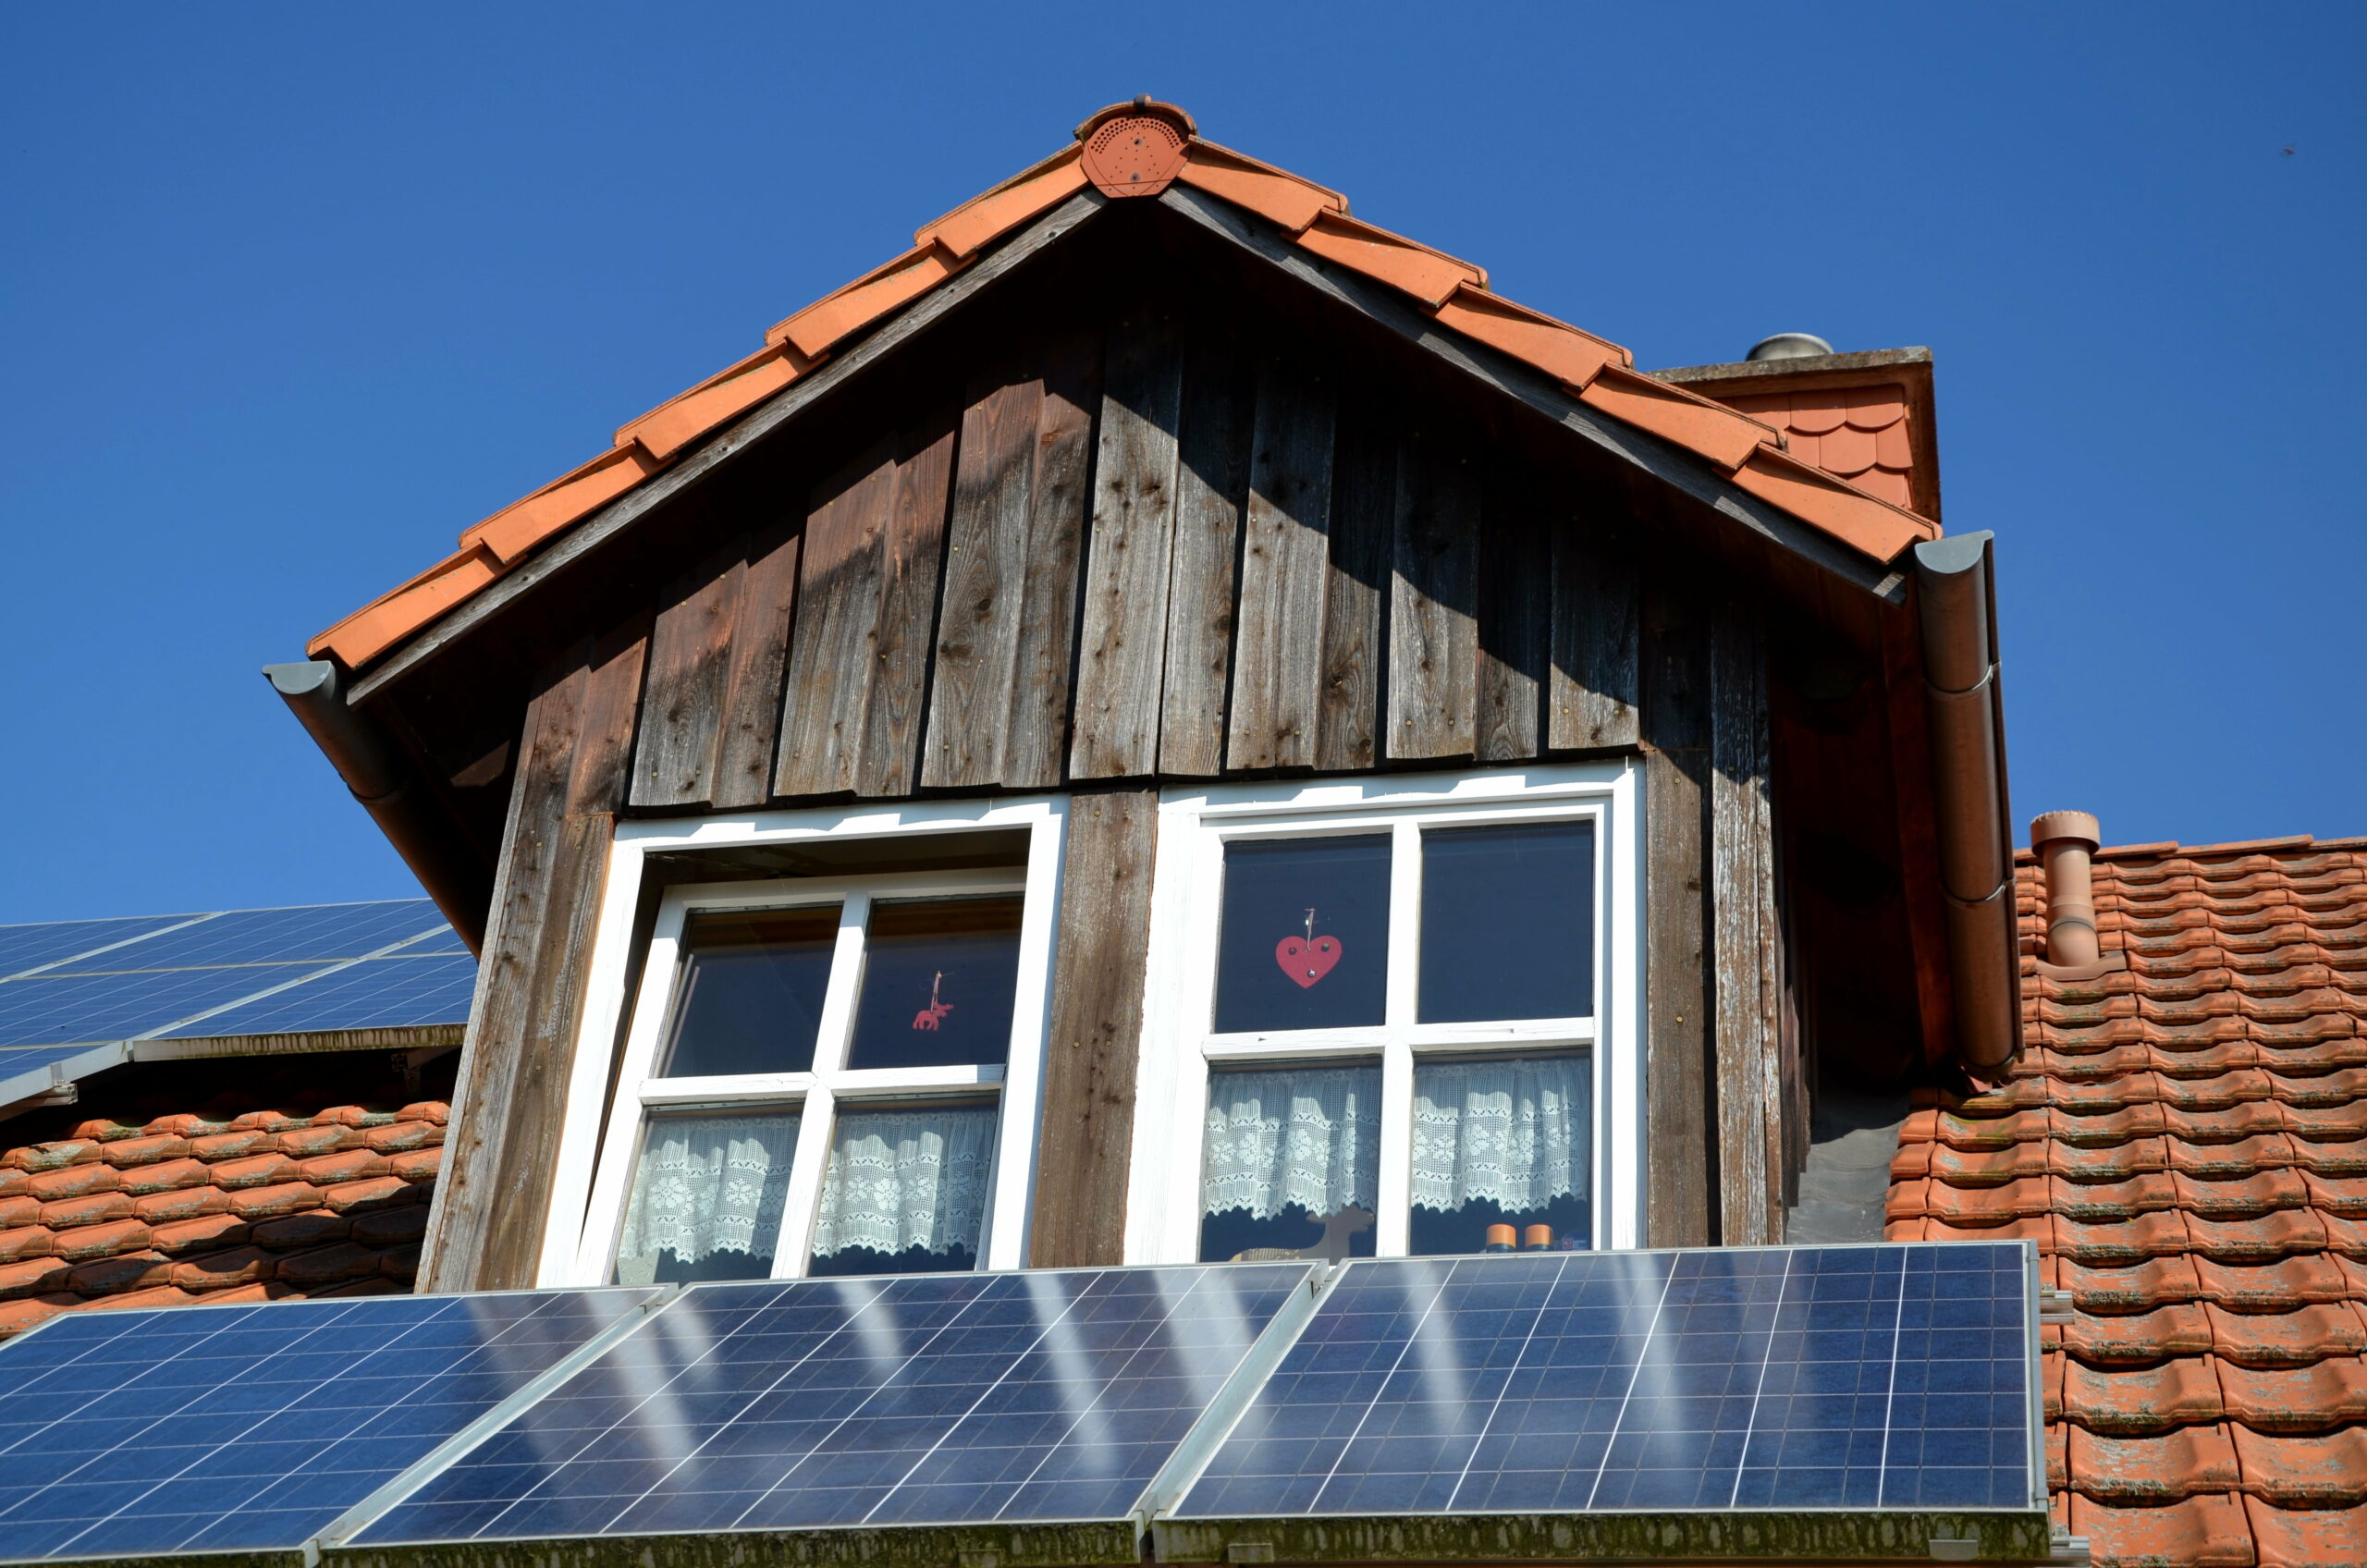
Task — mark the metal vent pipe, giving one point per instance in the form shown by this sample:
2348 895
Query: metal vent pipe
381 780
1956 594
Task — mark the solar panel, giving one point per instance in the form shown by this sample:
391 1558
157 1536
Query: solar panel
34 947
972 1399
218 1429
312 932
55 1009
1864 1377
379 993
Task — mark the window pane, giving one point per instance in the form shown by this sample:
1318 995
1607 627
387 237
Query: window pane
1503 1144
1305 939
751 992
706 1198
906 1192
1288 1161
937 981
1507 923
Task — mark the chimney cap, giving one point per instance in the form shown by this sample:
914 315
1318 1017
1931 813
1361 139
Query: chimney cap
2077 825
1788 346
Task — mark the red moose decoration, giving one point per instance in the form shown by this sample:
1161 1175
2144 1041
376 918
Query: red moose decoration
931 1015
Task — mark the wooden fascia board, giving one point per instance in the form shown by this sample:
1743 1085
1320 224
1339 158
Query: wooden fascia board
759 423
1669 464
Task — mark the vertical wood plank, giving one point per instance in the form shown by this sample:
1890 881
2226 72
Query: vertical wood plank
1102 945
1212 483
1123 648
1433 628
1681 1174
612 702
752 687
831 656
912 550
1035 736
690 659
1516 616
1749 1085
986 572
1286 563
1591 698
1356 629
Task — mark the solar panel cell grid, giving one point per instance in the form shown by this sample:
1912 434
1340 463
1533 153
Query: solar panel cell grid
972 1399
255 1428
316 932
55 1008
379 993
31 946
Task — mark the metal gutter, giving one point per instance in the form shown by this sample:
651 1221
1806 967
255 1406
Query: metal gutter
1956 604
389 789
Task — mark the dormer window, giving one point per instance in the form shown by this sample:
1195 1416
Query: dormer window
1402 1009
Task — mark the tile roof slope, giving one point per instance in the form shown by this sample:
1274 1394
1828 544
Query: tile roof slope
180 1210
2184 1141
1859 434
1754 455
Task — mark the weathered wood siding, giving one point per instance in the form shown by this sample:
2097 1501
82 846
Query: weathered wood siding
1161 550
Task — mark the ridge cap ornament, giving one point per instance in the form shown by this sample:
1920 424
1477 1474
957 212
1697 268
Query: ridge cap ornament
1135 149
1309 958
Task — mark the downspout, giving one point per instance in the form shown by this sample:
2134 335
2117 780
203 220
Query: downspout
387 787
1955 591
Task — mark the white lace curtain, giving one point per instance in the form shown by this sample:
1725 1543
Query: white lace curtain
907 1179
707 1184
1309 1136
1514 1133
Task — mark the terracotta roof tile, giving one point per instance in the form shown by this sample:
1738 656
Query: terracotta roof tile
1852 490
192 1212
2212 1382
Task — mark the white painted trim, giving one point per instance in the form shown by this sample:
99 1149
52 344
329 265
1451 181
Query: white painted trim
594 1163
1162 1219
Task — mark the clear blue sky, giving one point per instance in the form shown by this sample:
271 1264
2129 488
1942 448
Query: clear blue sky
291 295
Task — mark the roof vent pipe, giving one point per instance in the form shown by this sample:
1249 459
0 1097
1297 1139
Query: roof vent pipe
2066 842
1966 719
1788 346
412 820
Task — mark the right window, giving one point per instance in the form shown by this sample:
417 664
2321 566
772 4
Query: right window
1391 1024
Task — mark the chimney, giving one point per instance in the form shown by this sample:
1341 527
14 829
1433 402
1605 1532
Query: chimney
2065 843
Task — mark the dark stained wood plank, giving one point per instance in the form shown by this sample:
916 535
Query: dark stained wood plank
1433 624
1591 694
1102 945
1212 484
1355 593
1516 616
986 572
911 552
831 656
1035 736
1749 1073
1681 1159
1286 563
612 704
690 659
1123 651
752 687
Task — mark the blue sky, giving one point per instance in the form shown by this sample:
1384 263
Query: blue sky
291 295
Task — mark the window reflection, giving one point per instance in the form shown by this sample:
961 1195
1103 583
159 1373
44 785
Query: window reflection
1507 923
906 1192
1288 1163
1305 939
751 1000
706 1198
1503 1154
938 980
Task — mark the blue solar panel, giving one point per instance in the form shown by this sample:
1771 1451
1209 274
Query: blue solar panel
926 1399
16 1060
56 1009
379 993
1860 1377
227 1427
31 946
273 935
444 941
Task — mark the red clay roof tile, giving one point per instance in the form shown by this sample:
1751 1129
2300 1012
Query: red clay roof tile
2169 1467
2311 1397
2131 1400
2312 1472
2316 1538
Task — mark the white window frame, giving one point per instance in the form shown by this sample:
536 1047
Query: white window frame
1179 1047
600 1140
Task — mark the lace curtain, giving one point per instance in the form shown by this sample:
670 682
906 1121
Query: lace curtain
1309 1136
907 1179
1514 1133
706 1184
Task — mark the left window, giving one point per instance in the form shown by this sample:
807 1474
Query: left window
824 1075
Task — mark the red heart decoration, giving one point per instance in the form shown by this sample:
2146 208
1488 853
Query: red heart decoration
1307 962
